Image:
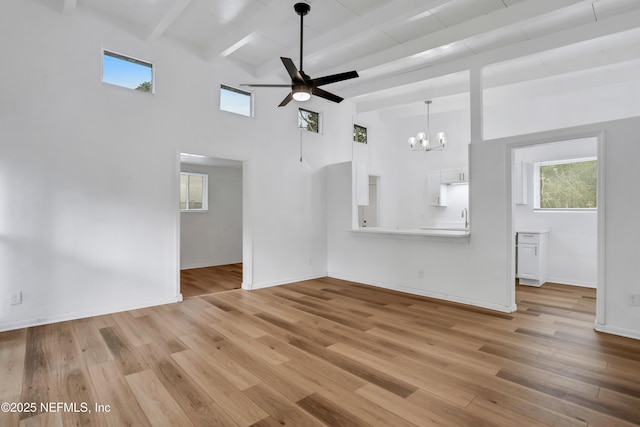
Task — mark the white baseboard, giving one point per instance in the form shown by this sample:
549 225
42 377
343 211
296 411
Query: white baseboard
45 320
430 294
262 285
628 333
205 264
571 282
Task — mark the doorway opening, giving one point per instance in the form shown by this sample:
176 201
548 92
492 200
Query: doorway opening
195 282
555 209
211 225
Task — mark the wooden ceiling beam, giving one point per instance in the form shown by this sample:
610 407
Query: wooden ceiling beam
602 28
514 15
165 20
238 37
392 13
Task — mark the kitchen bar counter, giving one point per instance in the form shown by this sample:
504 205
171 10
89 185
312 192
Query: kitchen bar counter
419 232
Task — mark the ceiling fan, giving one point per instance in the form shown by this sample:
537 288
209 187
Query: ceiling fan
302 86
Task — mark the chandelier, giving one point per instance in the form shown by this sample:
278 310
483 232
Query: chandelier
421 141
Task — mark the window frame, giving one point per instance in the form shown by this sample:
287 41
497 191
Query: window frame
128 58
300 110
366 133
536 184
205 192
230 88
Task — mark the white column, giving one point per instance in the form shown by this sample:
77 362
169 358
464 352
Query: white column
477 103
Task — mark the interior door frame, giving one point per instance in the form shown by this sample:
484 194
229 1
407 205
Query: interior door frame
247 236
523 141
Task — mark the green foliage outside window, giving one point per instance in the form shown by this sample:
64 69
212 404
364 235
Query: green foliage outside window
127 72
569 185
144 87
360 134
308 120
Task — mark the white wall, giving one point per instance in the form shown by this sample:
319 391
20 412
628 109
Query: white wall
573 237
88 218
214 237
448 265
554 103
622 151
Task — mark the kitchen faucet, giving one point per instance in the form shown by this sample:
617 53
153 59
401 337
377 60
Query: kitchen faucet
465 215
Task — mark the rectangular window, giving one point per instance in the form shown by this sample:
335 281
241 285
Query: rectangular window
360 134
193 191
308 120
236 101
566 185
127 72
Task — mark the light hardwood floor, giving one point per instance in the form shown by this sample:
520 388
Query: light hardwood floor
196 282
329 352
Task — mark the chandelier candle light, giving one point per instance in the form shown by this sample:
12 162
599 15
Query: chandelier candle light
420 142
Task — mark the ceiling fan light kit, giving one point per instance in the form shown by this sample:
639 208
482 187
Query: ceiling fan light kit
302 86
301 93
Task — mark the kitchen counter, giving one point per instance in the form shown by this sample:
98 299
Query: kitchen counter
419 232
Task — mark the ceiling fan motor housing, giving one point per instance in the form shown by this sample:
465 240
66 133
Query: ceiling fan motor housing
302 8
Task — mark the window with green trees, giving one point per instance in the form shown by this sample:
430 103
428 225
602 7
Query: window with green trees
569 184
308 120
360 134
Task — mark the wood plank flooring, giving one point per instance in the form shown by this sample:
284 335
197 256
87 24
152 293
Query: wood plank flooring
327 353
196 282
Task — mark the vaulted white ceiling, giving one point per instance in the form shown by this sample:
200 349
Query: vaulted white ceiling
404 50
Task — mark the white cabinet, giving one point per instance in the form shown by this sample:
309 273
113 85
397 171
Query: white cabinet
528 261
454 176
438 180
436 191
533 258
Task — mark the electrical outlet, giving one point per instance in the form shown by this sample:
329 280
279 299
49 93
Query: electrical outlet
310 261
16 297
634 299
420 274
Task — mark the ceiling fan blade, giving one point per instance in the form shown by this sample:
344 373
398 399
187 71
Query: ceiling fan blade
334 78
264 85
286 100
291 69
326 95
